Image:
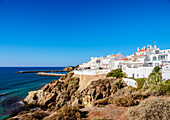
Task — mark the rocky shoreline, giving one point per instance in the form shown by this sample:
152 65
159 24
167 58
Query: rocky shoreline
62 99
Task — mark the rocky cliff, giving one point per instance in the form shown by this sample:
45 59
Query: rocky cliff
62 99
65 92
55 94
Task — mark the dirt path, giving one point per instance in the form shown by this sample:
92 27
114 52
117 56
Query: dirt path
110 112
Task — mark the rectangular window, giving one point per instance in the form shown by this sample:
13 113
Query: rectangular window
154 58
97 61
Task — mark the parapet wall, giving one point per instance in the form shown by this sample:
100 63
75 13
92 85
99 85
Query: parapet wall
85 80
140 72
91 72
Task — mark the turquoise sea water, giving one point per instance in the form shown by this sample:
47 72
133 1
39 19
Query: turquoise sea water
14 87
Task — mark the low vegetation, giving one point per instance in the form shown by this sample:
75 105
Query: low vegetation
98 118
67 113
101 102
163 88
32 115
155 77
151 109
118 73
100 68
141 82
129 100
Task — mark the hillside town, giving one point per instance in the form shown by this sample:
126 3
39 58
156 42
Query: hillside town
138 65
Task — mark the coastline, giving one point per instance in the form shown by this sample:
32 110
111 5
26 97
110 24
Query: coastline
15 87
63 99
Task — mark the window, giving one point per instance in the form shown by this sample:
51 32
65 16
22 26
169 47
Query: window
154 58
97 61
156 51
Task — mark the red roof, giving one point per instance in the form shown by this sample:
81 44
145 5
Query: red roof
138 55
113 55
105 64
124 59
143 50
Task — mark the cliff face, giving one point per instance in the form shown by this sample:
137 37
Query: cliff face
100 89
65 91
63 98
54 94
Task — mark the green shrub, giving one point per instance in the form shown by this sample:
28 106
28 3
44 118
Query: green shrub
156 69
151 109
155 77
167 82
100 68
163 88
116 73
119 84
141 82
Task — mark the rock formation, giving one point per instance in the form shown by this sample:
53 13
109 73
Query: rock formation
54 94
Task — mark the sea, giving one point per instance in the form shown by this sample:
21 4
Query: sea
14 87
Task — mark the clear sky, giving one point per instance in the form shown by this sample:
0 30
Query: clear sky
69 32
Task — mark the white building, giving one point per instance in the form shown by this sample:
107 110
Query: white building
141 63
102 62
138 65
166 72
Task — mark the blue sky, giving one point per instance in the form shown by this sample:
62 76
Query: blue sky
69 32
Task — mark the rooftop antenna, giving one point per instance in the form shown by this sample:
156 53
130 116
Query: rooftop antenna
155 42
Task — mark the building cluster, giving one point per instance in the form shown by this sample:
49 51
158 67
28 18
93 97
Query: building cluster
138 65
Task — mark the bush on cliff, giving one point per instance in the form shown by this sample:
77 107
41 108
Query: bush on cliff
163 88
31 115
119 84
67 113
101 102
141 82
118 73
129 100
155 77
67 76
151 109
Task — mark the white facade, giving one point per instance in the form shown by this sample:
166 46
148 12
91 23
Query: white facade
166 72
138 65
141 72
91 72
101 62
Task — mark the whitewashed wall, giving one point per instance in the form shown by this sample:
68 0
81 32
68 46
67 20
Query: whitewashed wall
91 72
166 72
140 72
130 82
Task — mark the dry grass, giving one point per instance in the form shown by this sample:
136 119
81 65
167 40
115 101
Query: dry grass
151 109
36 115
129 100
67 113
99 118
101 102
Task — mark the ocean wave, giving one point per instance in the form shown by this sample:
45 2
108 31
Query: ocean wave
9 92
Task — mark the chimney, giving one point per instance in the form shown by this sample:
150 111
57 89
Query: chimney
151 46
155 46
144 47
138 48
